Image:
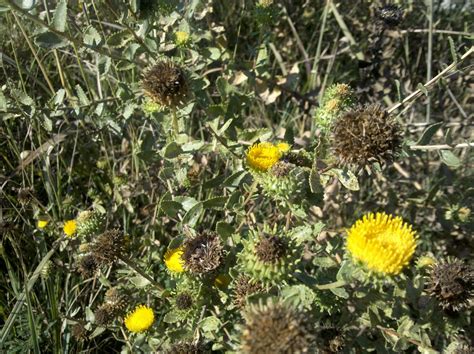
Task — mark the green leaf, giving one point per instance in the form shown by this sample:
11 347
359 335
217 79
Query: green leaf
452 48
3 102
429 133
92 37
225 230
170 207
314 181
83 100
26 4
298 295
171 317
192 216
423 89
210 324
235 179
60 16
449 158
172 150
215 203
50 40
139 281
119 39
340 292
346 177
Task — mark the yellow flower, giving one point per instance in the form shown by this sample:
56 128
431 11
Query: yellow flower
140 319
173 260
385 244
70 227
181 38
283 147
42 224
263 156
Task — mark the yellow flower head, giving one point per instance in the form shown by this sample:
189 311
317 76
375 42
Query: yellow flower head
181 38
385 244
173 260
70 227
264 155
140 319
42 224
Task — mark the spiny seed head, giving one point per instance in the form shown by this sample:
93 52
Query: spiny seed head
108 247
87 266
186 348
166 84
366 135
271 248
115 299
203 254
245 287
105 314
390 15
281 169
79 332
452 284
184 301
88 223
276 328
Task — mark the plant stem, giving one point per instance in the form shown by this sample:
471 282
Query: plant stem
441 146
414 95
175 122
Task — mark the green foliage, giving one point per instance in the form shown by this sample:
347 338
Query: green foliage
81 140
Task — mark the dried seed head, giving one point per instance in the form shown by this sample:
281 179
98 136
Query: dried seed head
79 332
366 135
87 266
105 314
166 84
452 284
276 328
203 254
186 348
244 287
390 15
108 247
281 169
115 299
184 301
271 248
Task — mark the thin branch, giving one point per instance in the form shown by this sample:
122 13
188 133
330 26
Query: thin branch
441 146
413 96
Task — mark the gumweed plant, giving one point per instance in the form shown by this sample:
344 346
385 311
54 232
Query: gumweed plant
221 177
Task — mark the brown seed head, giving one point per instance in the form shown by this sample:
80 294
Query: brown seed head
271 248
203 254
366 135
108 247
452 284
87 266
244 287
184 301
276 328
166 84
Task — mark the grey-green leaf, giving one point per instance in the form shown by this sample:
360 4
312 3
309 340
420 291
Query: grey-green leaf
60 16
50 40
